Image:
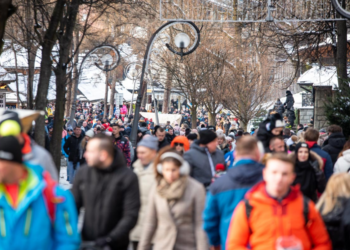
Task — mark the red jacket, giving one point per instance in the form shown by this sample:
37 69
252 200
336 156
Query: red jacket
270 219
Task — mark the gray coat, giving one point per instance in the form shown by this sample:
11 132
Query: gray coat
179 227
200 165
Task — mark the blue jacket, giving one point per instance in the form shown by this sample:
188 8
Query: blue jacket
29 226
229 157
328 168
62 145
224 195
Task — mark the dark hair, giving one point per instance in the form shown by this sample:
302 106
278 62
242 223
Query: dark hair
311 134
106 144
346 147
158 161
286 131
335 129
160 129
246 133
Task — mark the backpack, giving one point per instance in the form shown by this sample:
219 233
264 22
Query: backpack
248 210
50 198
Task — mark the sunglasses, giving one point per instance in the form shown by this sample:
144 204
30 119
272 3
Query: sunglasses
178 144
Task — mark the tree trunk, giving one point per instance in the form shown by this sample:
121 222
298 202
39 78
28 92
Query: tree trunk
69 95
212 118
16 73
6 10
342 54
45 71
31 52
167 92
61 79
144 97
194 116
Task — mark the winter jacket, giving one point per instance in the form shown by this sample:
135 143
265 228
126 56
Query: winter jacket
310 175
64 140
338 224
145 131
335 145
147 180
33 154
227 127
73 148
111 199
270 219
290 100
29 226
170 138
264 136
123 144
322 139
163 144
229 157
224 195
201 169
342 165
328 166
279 107
177 227
225 149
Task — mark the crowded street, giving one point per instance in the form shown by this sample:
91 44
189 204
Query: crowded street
174 125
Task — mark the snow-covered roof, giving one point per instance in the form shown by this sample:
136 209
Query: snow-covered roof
7 58
23 83
5 76
324 76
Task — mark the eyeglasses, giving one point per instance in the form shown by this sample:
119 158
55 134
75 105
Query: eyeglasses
178 144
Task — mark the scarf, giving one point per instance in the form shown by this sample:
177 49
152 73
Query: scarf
173 191
311 143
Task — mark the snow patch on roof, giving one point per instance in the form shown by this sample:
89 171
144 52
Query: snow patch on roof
324 76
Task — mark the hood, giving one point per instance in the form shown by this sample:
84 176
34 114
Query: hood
278 102
258 194
346 155
246 174
314 158
337 140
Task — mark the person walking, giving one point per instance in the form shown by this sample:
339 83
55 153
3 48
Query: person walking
224 194
162 141
342 165
121 143
73 148
334 206
181 144
35 213
203 156
144 169
309 171
335 142
311 137
109 193
274 213
176 203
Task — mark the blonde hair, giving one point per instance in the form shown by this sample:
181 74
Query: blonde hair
301 137
338 186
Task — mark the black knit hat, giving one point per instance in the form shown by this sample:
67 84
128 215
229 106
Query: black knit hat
206 136
300 145
10 115
276 121
10 150
192 136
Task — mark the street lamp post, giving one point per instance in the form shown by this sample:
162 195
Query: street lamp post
181 42
110 56
132 72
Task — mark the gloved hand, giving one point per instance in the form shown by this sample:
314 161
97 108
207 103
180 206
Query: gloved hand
102 242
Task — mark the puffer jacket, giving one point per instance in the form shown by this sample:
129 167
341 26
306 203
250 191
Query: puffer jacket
311 177
343 163
335 145
30 226
279 107
201 169
270 219
337 224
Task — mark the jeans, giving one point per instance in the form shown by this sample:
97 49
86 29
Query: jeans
72 171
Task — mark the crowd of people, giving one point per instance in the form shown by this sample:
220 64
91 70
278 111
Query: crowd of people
182 186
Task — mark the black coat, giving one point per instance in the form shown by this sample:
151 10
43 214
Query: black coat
290 100
279 107
170 138
335 145
338 224
163 144
73 147
265 136
111 199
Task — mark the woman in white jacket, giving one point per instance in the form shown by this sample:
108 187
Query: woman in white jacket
343 163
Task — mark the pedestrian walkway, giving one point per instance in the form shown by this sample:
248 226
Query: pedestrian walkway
63 175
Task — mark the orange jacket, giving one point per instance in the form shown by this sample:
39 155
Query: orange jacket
270 219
